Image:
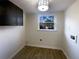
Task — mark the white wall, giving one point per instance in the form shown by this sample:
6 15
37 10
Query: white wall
11 40
72 28
50 39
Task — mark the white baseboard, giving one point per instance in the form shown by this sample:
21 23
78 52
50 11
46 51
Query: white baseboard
16 52
43 46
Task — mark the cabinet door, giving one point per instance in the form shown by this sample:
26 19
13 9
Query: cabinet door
19 17
3 12
11 15
14 15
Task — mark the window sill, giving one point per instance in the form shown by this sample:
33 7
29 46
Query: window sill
47 30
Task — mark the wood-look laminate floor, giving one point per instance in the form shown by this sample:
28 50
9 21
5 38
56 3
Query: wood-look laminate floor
39 53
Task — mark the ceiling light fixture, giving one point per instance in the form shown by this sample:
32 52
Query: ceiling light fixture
43 5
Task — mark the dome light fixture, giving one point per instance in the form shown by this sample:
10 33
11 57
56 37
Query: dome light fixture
43 5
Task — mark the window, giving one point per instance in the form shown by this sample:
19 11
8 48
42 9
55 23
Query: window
46 23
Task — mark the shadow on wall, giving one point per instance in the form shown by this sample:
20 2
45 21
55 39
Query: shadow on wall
10 40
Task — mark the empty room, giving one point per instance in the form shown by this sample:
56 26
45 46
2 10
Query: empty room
39 29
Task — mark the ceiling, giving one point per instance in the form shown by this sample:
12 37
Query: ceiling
30 6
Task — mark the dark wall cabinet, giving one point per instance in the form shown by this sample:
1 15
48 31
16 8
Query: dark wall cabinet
10 14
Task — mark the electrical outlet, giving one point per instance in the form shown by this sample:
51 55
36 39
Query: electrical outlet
41 40
73 37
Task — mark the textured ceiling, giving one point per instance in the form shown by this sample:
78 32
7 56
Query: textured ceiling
30 6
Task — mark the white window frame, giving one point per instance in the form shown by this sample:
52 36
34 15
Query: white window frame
55 23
